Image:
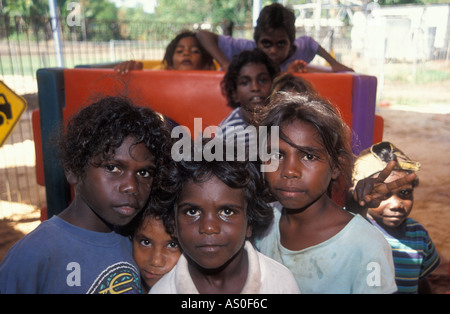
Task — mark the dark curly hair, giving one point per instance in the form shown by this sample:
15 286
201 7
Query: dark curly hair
243 175
275 16
207 60
230 79
100 128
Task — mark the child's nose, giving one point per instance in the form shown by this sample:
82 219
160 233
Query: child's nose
129 184
255 86
290 169
157 258
396 203
209 224
273 50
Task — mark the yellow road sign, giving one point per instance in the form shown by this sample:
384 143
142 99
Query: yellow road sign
11 108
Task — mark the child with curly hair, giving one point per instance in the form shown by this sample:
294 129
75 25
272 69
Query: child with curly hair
218 207
247 87
155 249
113 153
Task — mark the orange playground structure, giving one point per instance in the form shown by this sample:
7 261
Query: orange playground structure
179 95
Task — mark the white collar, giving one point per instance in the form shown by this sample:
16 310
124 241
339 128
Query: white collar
185 285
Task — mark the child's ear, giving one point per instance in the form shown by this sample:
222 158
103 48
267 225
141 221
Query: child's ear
249 231
71 177
335 173
234 97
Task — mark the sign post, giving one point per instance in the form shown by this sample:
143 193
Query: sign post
11 108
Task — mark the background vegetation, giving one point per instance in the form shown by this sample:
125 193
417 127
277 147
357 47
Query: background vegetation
180 11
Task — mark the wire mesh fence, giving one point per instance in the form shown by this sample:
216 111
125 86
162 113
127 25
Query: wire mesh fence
26 45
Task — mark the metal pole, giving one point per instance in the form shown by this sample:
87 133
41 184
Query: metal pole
256 10
56 33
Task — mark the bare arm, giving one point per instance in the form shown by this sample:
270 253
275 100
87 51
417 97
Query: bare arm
209 41
335 65
300 66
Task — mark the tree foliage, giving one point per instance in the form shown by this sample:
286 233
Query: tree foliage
180 11
120 23
199 11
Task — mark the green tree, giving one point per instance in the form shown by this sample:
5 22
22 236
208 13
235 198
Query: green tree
237 11
199 11
182 11
99 9
25 7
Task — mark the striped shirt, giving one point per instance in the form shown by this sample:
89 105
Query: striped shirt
235 127
414 254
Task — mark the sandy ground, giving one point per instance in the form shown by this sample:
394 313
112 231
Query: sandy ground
425 137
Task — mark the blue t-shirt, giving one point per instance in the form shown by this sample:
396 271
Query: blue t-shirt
58 257
305 48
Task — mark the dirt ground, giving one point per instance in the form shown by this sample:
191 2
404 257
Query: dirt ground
424 137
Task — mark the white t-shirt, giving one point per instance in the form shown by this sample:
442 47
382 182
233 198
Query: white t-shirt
356 260
265 276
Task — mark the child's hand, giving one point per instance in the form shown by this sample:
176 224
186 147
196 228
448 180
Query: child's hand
124 67
297 66
370 192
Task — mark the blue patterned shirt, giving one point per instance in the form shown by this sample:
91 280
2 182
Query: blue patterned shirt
415 256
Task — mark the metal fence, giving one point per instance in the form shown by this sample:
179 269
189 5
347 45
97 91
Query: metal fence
26 44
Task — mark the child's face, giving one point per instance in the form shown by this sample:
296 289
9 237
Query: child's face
211 222
393 211
118 188
187 55
253 88
154 250
304 172
276 44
